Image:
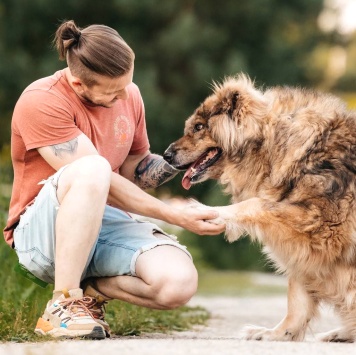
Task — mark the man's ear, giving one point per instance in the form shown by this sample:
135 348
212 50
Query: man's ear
77 84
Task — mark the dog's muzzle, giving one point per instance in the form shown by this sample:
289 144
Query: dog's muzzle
168 155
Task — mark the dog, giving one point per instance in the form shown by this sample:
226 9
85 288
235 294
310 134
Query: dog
287 157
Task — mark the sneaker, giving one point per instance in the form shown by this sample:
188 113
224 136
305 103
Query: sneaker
70 317
97 308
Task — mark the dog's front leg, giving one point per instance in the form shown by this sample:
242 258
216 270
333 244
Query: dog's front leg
301 308
240 219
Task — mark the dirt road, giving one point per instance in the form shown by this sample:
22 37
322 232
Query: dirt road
229 315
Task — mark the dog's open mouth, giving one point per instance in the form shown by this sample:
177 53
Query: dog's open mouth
196 169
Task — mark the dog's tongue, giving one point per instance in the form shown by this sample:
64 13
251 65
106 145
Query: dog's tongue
186 179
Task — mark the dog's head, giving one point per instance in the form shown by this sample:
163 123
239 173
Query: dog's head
218 128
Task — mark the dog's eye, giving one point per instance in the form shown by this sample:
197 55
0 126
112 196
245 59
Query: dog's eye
198 127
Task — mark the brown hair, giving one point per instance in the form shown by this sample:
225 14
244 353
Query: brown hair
96 49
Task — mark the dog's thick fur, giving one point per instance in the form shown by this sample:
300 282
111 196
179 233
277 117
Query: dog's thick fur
288 158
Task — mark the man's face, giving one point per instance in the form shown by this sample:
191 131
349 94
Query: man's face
107 90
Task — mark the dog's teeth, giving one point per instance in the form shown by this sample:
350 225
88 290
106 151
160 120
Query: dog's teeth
193 170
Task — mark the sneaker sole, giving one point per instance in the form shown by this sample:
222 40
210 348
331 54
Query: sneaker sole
96 333
105 326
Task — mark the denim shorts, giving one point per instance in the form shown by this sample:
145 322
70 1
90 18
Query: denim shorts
120 241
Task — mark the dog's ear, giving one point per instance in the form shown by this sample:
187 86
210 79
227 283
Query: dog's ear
232 103
227 105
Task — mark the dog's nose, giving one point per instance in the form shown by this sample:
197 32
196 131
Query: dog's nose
168 155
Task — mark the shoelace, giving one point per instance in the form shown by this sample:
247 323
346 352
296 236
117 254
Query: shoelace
77 306
97 308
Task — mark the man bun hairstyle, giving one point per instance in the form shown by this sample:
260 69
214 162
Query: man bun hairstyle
96 49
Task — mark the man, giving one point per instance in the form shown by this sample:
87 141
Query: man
82 133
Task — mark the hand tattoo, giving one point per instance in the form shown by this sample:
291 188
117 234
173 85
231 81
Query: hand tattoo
68 147
153 171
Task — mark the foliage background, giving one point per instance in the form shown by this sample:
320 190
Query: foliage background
181 46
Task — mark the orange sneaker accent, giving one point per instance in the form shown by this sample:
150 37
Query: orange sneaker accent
44 325
65 293
70 317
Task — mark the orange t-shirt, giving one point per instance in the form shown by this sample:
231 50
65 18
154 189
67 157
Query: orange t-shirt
49 112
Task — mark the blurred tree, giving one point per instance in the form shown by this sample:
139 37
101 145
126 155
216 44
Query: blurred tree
347 82
180 46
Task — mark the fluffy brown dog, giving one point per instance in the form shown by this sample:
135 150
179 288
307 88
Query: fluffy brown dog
288 158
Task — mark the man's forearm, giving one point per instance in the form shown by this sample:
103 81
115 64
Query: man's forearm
153 171
129 197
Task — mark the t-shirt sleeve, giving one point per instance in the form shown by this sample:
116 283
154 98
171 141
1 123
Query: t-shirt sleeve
140 142
42 118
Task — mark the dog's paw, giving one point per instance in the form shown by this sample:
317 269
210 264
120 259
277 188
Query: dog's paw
336 336
217 220
195 204
252 332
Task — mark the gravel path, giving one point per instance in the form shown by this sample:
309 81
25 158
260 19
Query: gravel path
229 315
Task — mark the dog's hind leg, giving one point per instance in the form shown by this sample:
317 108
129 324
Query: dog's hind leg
301 308
340 335
346 333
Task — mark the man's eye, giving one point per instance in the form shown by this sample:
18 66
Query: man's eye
198 127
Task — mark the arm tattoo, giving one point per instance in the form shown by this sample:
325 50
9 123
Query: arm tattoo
153 171
68 147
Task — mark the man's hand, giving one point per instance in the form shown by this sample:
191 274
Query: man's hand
129 197
200 221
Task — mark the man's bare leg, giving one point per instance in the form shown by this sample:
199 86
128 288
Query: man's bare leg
167 278
82 192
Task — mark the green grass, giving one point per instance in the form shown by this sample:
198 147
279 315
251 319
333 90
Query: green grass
126 319
239 283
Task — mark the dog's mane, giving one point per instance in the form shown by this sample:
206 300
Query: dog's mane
229 82
299 133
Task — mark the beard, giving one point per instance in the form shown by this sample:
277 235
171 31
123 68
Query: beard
100 103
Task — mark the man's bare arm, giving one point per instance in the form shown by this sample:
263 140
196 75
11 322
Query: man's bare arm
64 153
128 196
153 171
69 147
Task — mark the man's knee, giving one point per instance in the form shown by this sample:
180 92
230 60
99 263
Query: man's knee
91 168
170 274
177 289
92 173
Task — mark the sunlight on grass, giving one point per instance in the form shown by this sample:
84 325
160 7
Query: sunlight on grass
350 99
237 283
